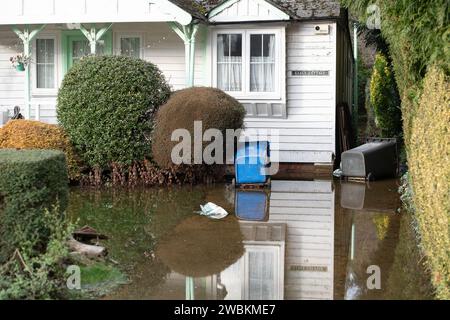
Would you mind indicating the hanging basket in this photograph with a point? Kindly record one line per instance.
(20, 67)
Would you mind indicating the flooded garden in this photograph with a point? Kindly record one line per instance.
(295, 240)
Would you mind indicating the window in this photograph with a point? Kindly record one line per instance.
(45, 64)
(248, 63)
(262, 62)
(130, 46)
(229, 62)
(82, 48)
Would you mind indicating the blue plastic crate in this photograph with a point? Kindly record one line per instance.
(251, 162)
(251, 205)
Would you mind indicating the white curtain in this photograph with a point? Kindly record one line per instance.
(262, 68)
(45, 63)
(229, 68)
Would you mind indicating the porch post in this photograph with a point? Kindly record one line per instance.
(93, 36)
(27, 36)
(188, 34)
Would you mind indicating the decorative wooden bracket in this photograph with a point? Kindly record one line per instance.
(94, 36)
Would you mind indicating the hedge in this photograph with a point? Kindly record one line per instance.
(384, 98)
(429, 165)
(31, 181)
(213, 107)
(106, 105)
(418, 34)
(25, 134)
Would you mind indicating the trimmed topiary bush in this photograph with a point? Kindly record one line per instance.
(106, 105)
(215, 108)
(385, 99)
(25, 134)
(31, 181)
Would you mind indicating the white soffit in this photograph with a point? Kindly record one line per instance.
(16, 12)
(246, 11)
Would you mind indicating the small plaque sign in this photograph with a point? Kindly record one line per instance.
(310, 73)
(309, 268)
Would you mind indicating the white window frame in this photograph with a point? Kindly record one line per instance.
(121, 35)
(45, 91)
(280, 59)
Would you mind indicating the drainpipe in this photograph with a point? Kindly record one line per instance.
(27, 36)
(355, 77)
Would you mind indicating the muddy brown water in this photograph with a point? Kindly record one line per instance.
(317, 240)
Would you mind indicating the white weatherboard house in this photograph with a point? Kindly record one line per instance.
(289, 62)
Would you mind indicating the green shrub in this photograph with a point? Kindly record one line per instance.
(25, 134)
(418, 34)
(429, 164)
(31, 181)
(107, 104)
(31, 275)
(213, 107)
(384, 98)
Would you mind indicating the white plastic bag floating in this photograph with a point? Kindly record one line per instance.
(213, 211)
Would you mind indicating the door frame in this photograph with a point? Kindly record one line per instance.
(68, 36)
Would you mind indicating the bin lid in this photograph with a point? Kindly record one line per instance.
(257, 149)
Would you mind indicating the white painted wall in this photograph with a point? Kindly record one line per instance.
(308, 133)
(161, 45)
(307, 208)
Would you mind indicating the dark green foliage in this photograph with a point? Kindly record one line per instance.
(39, 275)
(384, 99)
(31, 181)
(107, 104)
(213, 107)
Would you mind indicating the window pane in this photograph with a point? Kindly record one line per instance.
(256, 45)
(262, 63)
(229, 62)
(261, 276)
(130, 47)
(80, 48)
(45, 63)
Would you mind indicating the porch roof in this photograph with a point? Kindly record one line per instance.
(110, 11)
(27, 12)
(296, 9)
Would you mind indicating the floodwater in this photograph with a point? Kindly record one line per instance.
(298, 240)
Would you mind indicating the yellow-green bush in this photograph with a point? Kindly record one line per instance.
(25, 134)
(384, 98)
(429, 162)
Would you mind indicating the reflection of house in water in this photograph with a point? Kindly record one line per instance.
(290, 256)
(259, 273)
(307, 208)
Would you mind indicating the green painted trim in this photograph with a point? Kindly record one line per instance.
(27, 37)
(67, 36)
(187, 34)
